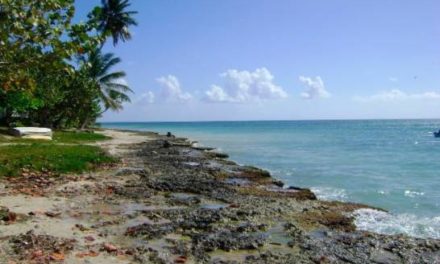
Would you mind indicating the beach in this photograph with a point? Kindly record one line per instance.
(220, 132)
(171, 201)
(391, 164)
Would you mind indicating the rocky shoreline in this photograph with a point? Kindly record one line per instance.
(172, 202)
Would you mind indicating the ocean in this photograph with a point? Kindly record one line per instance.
(391, 164)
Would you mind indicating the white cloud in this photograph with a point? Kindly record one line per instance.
(397, 95)
(245, 86)
(171, 90)
(314, 88)
(427, 95)
(217, 94)
(147, 97)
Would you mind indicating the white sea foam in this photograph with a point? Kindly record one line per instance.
(329, 193)
(413, 194)
(288, 173)
(386, 223)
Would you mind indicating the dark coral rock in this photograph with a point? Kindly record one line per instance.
(228, 240)
(150, 231)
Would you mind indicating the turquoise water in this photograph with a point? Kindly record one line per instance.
(392, 164)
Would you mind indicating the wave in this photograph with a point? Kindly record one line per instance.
(390, 224)
(330, 194)
(413, 194)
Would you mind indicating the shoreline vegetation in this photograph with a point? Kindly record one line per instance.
(53, 71)
(164, 200)
(66, 153)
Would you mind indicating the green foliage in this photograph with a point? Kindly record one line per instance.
(50, 157)
(109, 91)
(31, 38)
(48, 71)
(113, 20)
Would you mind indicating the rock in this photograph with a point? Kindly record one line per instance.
(253, 172)
(182, 144)
(227, 240)
(12, 217)
(304, 194)
(110, 248)
(30, 245)
(4, 213)
(37, 254)
(384, 257)
(89, 253)
(180, 259)
(128, 171)
(81, 227)
(32, 132)
(166, 144)
(278, 183)
(89, 238)
(220, 155)
(52, 214)
(150, 230)
(203, 148)
(188, 200)
(57, 256)
(294, 188)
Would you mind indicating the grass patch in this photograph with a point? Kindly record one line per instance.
(51, 157)
(76, 137)
(4, 137)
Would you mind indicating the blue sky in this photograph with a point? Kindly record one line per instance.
(286, 59)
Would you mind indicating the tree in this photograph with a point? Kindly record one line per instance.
(31, 37)
(110, 90)
(113, 20)
(33, 44)
(51, 70)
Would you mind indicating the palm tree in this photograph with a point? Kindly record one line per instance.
(111, 92)
(114, 20)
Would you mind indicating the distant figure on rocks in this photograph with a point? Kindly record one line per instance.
(437, 134)
(169, 134)
(166, 144)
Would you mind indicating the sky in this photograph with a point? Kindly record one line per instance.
(207, 60)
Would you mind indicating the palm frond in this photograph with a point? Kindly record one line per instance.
(112, 77)
(119, 87)
(109, 64)
(111, 92)
(115, 20)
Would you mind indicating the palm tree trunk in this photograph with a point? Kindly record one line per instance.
(8, 115)
(102, 40)
(102, 112)
(85, 122)
(2, 116)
